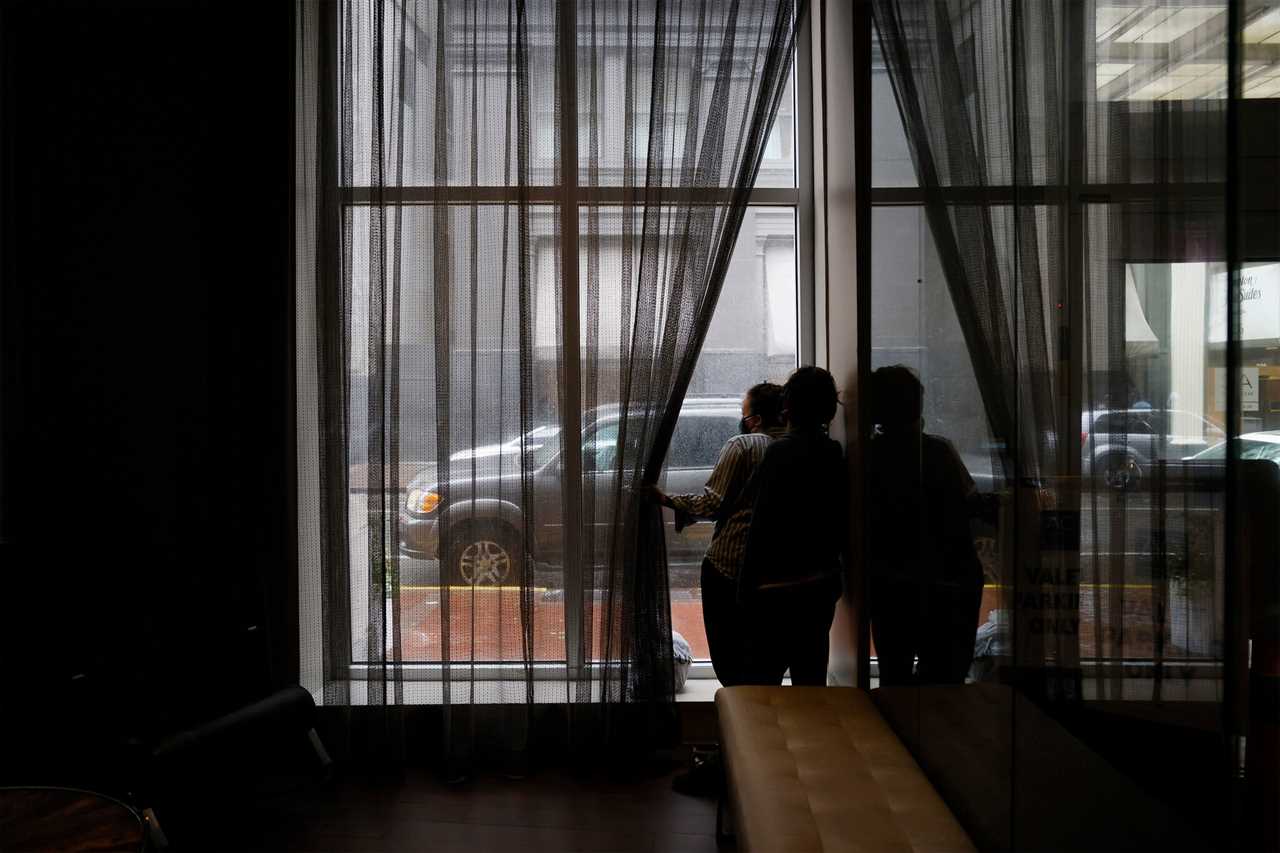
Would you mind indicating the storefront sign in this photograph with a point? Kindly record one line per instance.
(1248, 389)
(1259, 300)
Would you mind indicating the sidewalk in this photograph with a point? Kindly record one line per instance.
(485, 624)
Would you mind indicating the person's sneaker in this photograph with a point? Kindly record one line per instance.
(703, 778)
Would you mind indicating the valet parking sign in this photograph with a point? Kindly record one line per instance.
(1049, 597)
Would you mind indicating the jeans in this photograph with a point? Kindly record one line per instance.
(790, 628)
(722, 618)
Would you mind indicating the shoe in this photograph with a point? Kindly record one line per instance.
(703, 779)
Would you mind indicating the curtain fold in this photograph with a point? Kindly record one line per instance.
(515, 218)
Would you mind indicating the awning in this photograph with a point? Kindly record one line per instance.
(1139, 340)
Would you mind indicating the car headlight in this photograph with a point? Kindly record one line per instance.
(422, 501)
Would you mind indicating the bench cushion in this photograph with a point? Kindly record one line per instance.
(817, 768)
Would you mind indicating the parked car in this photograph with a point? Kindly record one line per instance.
(485, 515)
(1122, 444)
(1253, 445)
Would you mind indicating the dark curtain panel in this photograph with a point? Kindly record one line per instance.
(514, 222)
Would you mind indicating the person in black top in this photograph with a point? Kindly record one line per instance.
(791, 573)
(926, 578)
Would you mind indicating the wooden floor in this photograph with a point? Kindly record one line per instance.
(554, 810)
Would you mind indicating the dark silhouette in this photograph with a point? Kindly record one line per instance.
(926, 579)
(791, 573)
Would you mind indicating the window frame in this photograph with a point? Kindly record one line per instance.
(570, 197)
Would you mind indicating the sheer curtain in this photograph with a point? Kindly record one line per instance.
(514, 220)
(1071, 160)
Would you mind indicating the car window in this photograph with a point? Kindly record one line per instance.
(1248, 450)
(1257, 449)
(1123, 423)
(600, 450)
(697, 440)
(1218, 451)
(1102, 424)
(541, 443)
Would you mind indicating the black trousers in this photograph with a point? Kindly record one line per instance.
(722, 618)
(790, 628)
(935, 622)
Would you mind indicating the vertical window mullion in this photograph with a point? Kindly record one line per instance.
(577, 655)
(803, 209)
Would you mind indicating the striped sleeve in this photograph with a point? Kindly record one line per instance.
(731, 471)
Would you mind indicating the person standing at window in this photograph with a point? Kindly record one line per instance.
(926, 578)
(790, 579)
(726, 500)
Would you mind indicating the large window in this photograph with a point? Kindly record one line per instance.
(753, 337)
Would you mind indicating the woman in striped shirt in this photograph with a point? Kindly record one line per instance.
(727, 500)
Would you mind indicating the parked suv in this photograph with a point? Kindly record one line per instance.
(1122, 444)
(485, 515)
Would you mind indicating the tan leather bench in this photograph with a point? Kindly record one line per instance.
(817, 768)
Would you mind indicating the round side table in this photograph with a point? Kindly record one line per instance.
(70, 820)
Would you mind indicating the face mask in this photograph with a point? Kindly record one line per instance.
(743, 427)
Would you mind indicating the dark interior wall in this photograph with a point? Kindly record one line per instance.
(145, 492)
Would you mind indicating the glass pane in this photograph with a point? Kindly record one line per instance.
(450, 85)
(778, 164)
(891, 164)
(452, 561)
(616, 81)
(1151, 534)
(752, 339)
(914, 324)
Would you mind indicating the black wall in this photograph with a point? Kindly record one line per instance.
(145, 336)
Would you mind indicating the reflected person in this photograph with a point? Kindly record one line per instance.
(724, 500)
(791, 574)
(926, 578)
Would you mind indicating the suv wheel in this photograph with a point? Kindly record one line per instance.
(484, 556)
(1121, 473)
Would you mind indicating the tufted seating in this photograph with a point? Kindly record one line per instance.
(817, 768)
